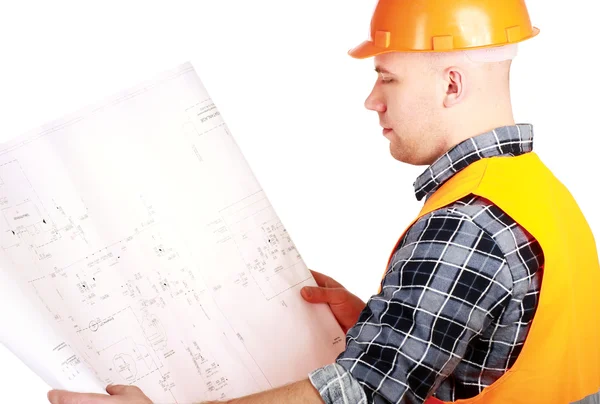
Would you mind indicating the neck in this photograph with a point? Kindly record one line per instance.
(480, 118)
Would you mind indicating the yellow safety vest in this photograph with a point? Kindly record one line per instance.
(560, 360)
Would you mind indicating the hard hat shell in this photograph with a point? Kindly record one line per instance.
(445, 25)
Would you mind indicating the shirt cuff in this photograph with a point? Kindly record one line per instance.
(337, 386)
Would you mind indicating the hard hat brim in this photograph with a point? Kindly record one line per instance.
(368, 49)
(365, 50)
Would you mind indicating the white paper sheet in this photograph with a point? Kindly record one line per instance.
(137, 228)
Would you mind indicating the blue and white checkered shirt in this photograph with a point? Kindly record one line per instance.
(456, 302)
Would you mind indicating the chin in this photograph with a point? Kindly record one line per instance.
(405, 158)
(397, 155)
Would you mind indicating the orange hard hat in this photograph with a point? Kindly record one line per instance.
(445, 25)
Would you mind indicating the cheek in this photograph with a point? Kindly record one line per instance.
(405, 112)
(398, 108)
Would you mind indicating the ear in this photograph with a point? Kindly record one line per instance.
(454, 86)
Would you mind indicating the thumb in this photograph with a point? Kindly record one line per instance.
(314, 294)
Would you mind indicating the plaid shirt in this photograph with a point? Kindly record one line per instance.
(456, 302)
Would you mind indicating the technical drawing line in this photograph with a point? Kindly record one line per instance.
(243, 199)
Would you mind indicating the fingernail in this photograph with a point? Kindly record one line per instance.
(307, 292)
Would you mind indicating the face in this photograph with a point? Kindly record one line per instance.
(408, 96)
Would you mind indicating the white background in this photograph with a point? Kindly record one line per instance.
(293, 99)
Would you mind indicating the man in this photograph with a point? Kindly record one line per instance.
(490, 294)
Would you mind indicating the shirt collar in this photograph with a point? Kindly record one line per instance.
(503, 141)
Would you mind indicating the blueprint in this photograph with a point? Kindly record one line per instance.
(139, 248)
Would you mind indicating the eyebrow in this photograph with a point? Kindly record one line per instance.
(380, 69)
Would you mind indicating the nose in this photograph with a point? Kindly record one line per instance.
(374, 101)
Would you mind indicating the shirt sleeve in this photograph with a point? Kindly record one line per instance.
(445, 284)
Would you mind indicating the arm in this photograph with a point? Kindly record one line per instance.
(301, 392)
(445, 284)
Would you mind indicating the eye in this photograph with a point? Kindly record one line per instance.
(385, 79)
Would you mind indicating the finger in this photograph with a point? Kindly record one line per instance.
(325, 281)
(325, 295)
(69, 397)
(123, 390)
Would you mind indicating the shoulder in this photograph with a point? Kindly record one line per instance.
(466, 218)
(476, 226)
(447, 254)
(465, 221)
(458, 235)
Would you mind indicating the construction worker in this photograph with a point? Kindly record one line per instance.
(490, 294)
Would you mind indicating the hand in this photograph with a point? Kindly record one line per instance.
(118, 395)
(345, 306)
